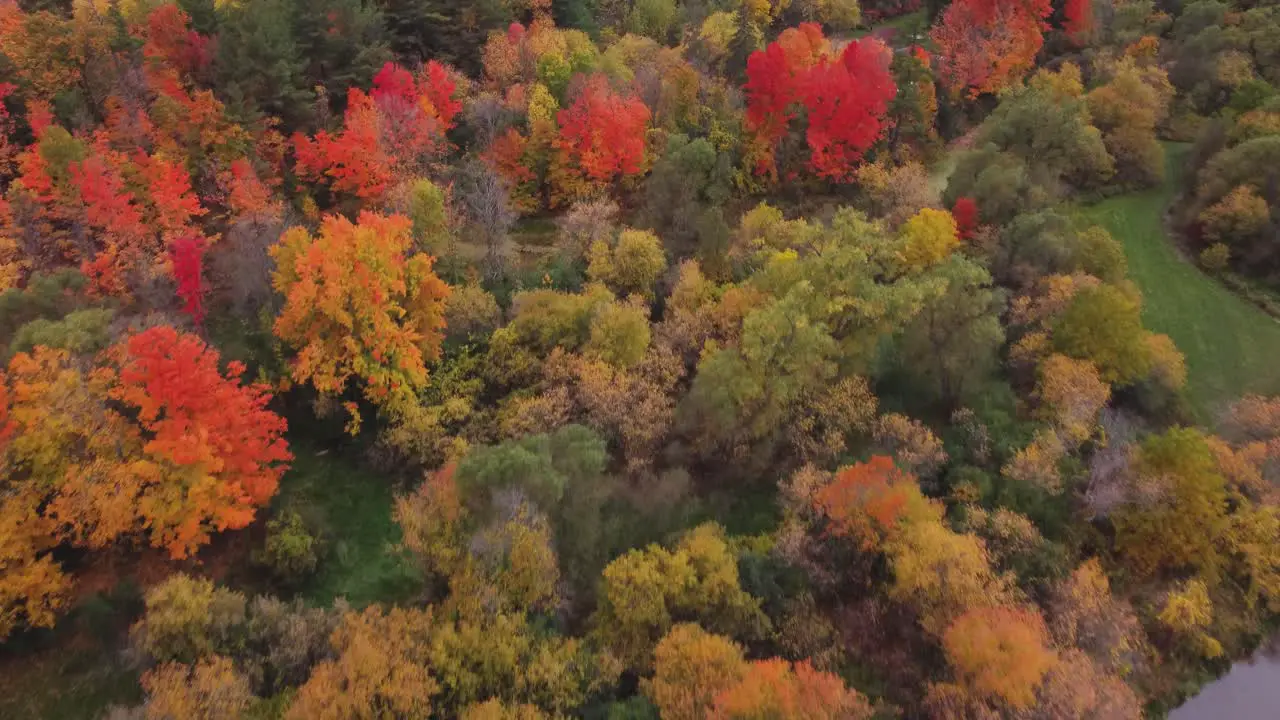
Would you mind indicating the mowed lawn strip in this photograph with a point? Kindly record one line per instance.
(1232, 347)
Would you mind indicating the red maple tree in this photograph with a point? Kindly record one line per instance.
(965, 212)
(187, 255)
(394, 129)
(602, 133)
(1078, 20)
(844, 99)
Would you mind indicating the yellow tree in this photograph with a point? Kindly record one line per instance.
(1178, 510)
(942, 574)
(358, 305)
(928, 238)
(692, 667)
(211, 690)
(1000, 654)
(645, 590)
(380, 669)
(631, 266)
(1188, 611)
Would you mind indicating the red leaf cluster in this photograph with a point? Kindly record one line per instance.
(845, 99)
(965, 212)
(603, 133)
(396, 128)
(199, 419)
(187, 256)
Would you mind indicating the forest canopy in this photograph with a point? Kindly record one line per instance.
(628, 359)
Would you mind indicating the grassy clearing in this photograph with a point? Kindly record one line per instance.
(352, 507)
(1231, 346)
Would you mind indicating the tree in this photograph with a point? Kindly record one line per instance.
(356, 305)
(1084, 614)
(1047, 124)
(847, 102)
(1127, 110)
(644, 591)
(260, 63)
(1188, 611)
(33, 588)
(866, 502)
(845, 99)
(211, 690)
(1103, 324)
(631, 266)
(341, 42)
(188, 620)
(986, 45)
(691, 668)
(619, 334)
(391, 134)
(380, 669)
(942, 574)
(777, 688)
(187, 256)
(955, 340)
(601, 140)
(226, 445)
(965, 212)
(1177, 506)
(1078, 20)
(1071, 396)
(928, 238)
(1000, 653)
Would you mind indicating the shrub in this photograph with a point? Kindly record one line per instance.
(1215, 258)
(291, 551)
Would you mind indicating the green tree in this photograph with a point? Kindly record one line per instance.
(260, 65)
(343, 45)
(954, 342)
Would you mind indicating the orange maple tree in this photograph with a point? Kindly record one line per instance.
(358, 305)
(865, 501)
(776, 688)
(154, 440)
(984, 45)
(218, 434)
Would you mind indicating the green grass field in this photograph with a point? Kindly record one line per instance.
(1232, 347)
(352, 506)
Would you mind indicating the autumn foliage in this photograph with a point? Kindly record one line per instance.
(1000, 654)
(985, 45)
(154, 441)
(777, 688)
(358, 305)
(389, 134)
(602, 135)
(187, 256)
(865, 501)
(844, 99)
(197, 418)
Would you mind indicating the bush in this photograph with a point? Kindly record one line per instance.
(188, 619)
(1215, 258)
(291, 551)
